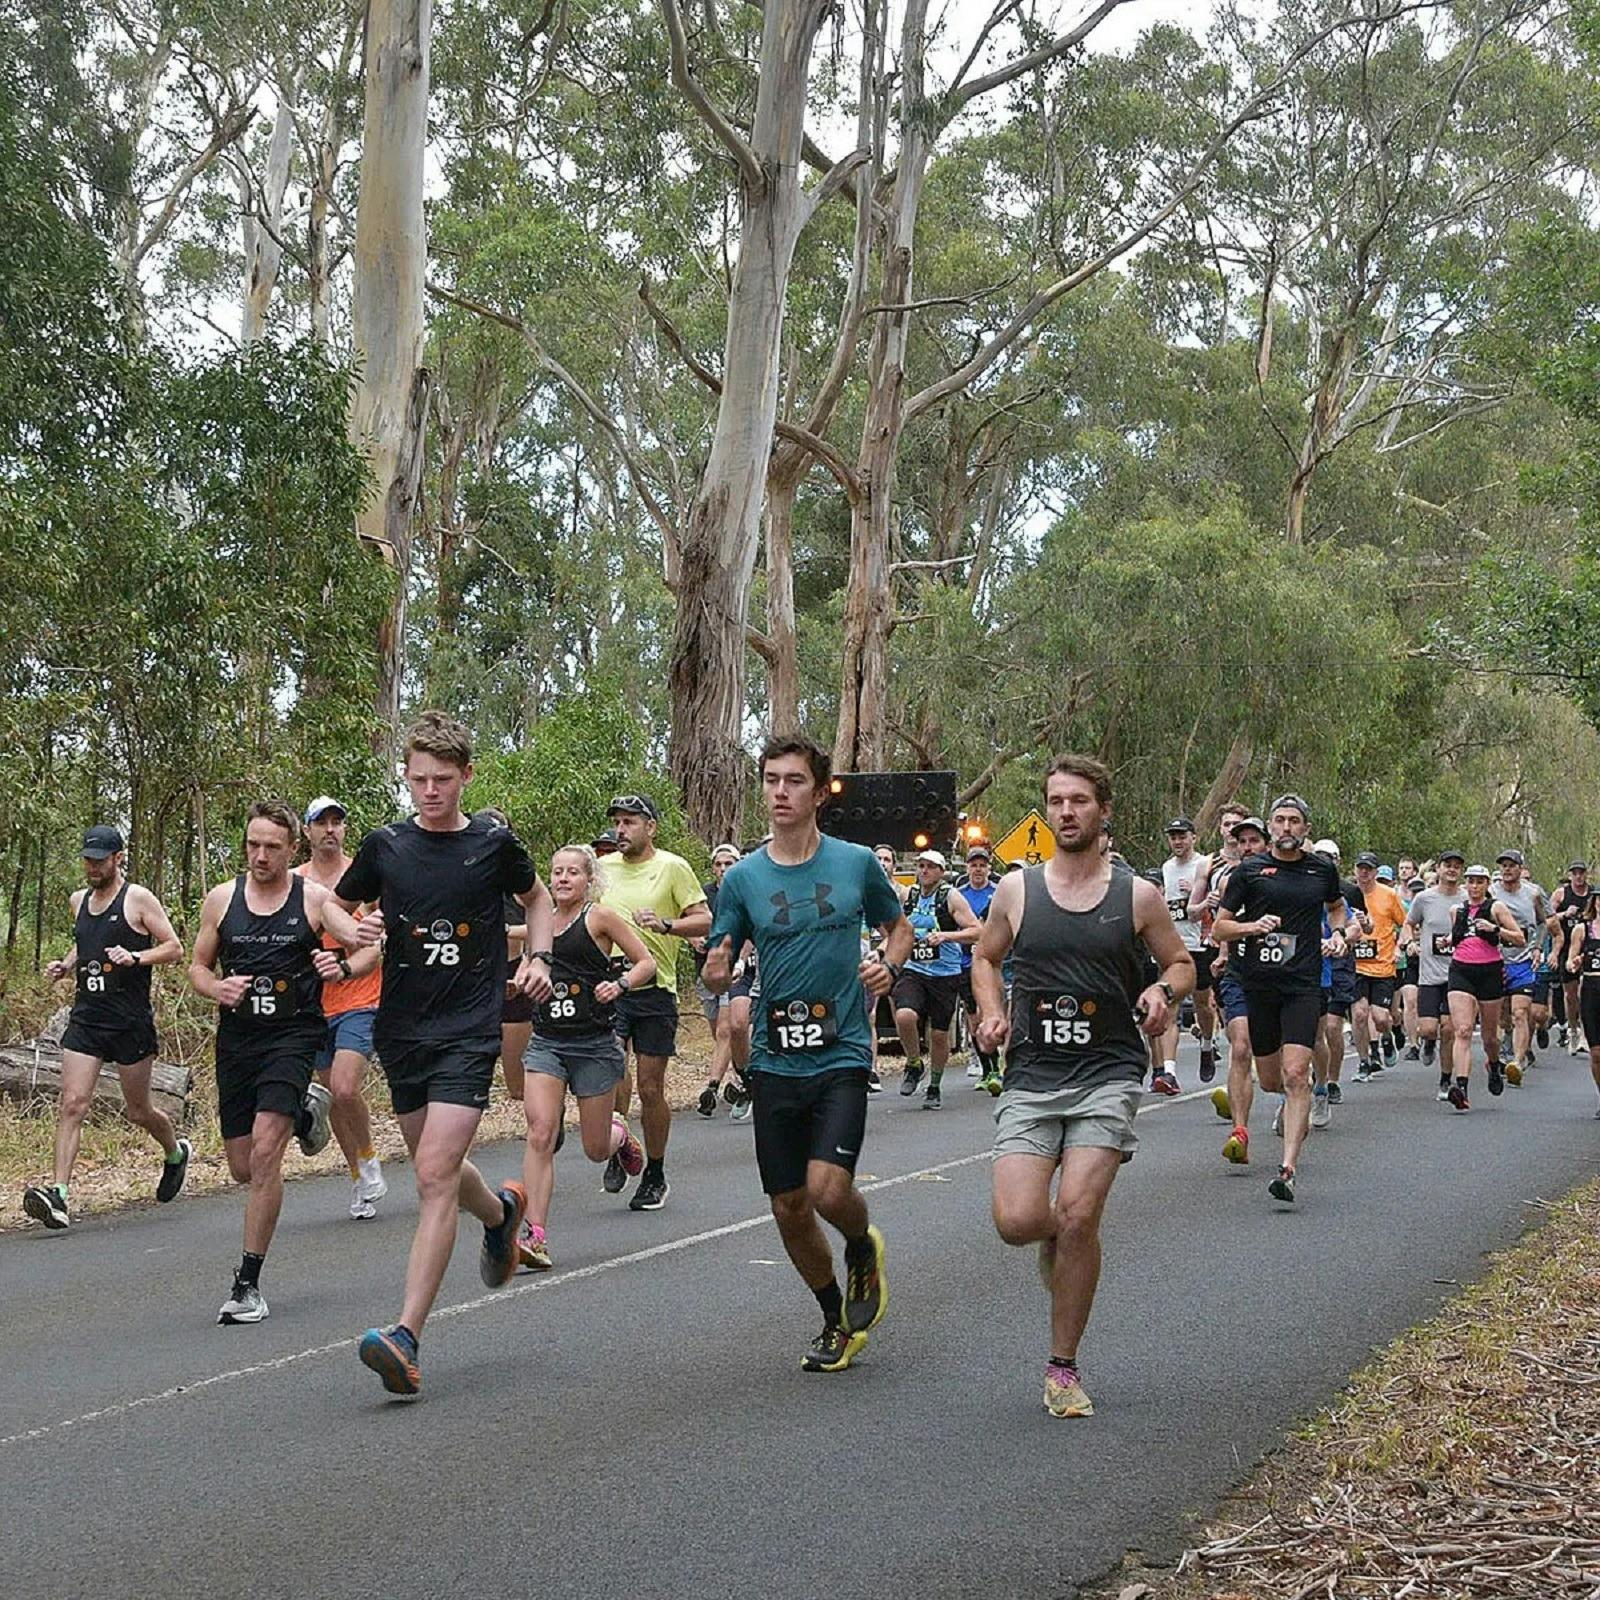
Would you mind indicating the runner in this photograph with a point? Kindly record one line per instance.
(1583, 960)
(574, 1043)
(1431, 920)
(263, 929)
(1077, 929)
(801, 899)
(1372, 1021)
(1480, 927)
(1339, 995)
(876, 1007)
(660, 892)
(350, 1003)
(714, 1007)
(120, 931)
(1527, 903)
(1248, 837)
(1180, 876)
(1273, 906)
(1569, 908)
(927, 991)
(438, 879)
(978, 892)
(1406, 973)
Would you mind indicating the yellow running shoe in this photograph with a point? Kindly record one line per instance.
(833, 1350)
(1236, 1147)
(1063, 1392)
(1222, 1104)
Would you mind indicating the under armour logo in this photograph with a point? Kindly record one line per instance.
(785, 905)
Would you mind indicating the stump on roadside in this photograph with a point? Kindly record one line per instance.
(29, 1071)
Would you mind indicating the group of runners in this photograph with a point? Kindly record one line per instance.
(438, 949)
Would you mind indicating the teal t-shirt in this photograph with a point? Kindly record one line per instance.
(805, 923)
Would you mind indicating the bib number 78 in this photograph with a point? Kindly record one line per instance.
(440, 955)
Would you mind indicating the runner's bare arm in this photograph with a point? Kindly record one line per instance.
(967, 926)
(147, 913)
(203, 977)
(56, 970)
(611, 924)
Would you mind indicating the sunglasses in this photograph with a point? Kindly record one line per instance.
(634, 804)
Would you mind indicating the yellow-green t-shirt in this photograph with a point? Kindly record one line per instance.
(666, 885)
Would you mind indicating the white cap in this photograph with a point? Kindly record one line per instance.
(324, 802)
(1325, 847)
(1476, 872)
(726, 850)
(933, 856)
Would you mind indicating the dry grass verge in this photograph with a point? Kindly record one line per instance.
(1465, 1462)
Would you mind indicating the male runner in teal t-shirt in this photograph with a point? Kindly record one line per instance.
(801, 899)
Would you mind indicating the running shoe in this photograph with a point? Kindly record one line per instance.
(1529, 1061)
(497, 1259)
(1335, 1095)
(1444, 1089)
(1578, 1046)
(1321, 1112)
(1561, 1036)
(361, 1208)
(374, 1186)
(1363, 1072)
(174, 1172)
(1514, 1073)
(735, 1089)
(1063, 1392)
(1236, 1147)
(392, 1354)
(993, 1082)
(706, 1105)
(874, 1082)
(1165, 1083)
(1457, 1096)
(1046, 1263)
(1282, 1187)
(931, 1098)
(1430, 1049)
(532, 1250)
(979, 1078)
(742, 1111)
(1541, 1037)
(614, 1180)
(1208, 1064)
(651, 1194)
(1277, 1120)
(1390, 1054)
(243, 1305)
(45, 1203)
(974, 1068)
(866, 1284)
(1375, 1068)
(832, 1350)
(316, 1108)
(912, 1077)
(1497, 1078)
(1413, 1053)
(1222, 1104)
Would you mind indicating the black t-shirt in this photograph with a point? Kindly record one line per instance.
(1290, 960)
(444, 959)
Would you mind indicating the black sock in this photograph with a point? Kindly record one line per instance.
(653, 1169)
(859, 1246)
(832, 1303)
(1064, 1361)
(1461, 1082)
(250, 1269)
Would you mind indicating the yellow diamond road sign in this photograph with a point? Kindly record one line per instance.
(1029, 843)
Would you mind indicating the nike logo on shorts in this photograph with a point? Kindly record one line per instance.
(839, 1150)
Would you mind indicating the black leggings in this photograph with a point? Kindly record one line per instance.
(1589, 1009)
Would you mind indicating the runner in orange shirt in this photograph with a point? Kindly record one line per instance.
(1372, 1020)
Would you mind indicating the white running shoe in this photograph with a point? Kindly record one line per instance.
(318, 1106)
(243, 1305)
(973, 1069)
(361, 1208)
(1277, 1120)
(1321, 1111)
(374, 1186)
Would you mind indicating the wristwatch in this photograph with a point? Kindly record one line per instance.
(1167, 989)
(545, 956)
(344, 965)
(895, 969)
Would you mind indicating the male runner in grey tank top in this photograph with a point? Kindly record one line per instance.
(1074, 1058)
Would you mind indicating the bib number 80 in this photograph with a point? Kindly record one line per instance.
(1059, 1031)
(440, 955)
(1271, 954)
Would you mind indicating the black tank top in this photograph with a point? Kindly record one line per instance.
(109, 996)
(1076, 978)
(577, 967)
(1589, 965)
(275, 950)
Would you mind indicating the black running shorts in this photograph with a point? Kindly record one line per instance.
(648, 1020)
(1203, 957)
(1432, 1002)
(439, 1072)
(1589, 1009)
(123, 1047)
(932, 998)
(820, 1117)
(1483, 980)
(1277, 1019)
(270, 1076)
(1377, 992)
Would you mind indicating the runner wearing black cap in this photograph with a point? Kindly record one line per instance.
(120, 932)
(660, 892)
(439, 879)
(1526, 902)
(1569, 908)
(263, 930)
(1273, 907)
(1181, 874)
(1430, 923)
(1373, 947)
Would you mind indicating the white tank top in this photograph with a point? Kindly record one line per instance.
(1177, 883)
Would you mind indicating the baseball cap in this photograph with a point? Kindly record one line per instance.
(1249, 822)
(1385, 874)
(1180, 825)
(933, 856)
(1417, 883)
(1476, 872)
(1323, 847)
(978, 852)
(1292, 799)
(323, 804)
(1513, 856)
(1577, 866)
(101, 841)
(633, 805)
(605, 842)
(1451, 855)
(1368, 859)
(725, 850)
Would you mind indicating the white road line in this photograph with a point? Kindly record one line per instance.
(534, 1285)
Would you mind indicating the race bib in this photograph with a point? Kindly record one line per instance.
(269, 1001)
(1179, 907)
(570, 1006)
(923, 951)
(1443, 944)
(443, 944)
(1591, 963)
(1063, 1021)
(795, 1027)
(96, 977)
(1273, 949)
(1365, 949)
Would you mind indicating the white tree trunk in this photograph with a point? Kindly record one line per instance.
(390, 406)
(263, 221)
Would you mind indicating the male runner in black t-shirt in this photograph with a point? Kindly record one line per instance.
(1273, 907)
(439, 879)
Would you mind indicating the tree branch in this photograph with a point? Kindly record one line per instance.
(709, 112)
(833, 182)
(961, 94)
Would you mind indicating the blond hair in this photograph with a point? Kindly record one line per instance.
(592, 869)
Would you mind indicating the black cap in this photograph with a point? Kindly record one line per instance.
(1417, 883)
(101, 841)
(633, 805)
(1180, 825)
(605, 841)
(1513, 856)
(1577, 866)
(1249, 822)
(1367, 859)
(977, 850)
(1452, 855)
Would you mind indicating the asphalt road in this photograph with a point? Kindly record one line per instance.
(636, 1422)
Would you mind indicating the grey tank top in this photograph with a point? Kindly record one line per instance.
(1076, 978)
